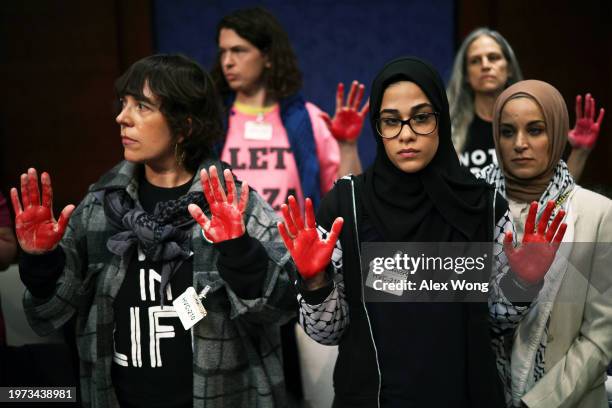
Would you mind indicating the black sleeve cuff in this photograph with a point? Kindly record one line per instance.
(243, 263)
(39, 273)
(518, 294)
(316, 296)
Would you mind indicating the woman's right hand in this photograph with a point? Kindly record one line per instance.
(310, 253)
(36, 228)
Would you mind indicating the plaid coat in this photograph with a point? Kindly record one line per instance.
(236, 348)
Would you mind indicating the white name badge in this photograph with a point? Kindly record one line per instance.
(189, 307)
(257, 130)
(390, 280)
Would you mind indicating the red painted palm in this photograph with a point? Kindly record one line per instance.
(586, 130)
(531, 260)
(35, 226)
(309, 251)
(227, 213)
(347, 122)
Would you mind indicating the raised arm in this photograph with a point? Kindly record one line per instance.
(324, 313)
(253, 267)
(346, 126)
(583, 136)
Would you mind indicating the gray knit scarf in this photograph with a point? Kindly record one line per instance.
(162, 236)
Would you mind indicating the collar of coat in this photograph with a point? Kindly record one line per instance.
(123, 175)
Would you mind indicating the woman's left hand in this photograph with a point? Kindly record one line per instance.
(531, 260)
(347, 122)
(227, 220)
(586, 130)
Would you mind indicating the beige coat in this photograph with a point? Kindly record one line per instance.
(580, 331)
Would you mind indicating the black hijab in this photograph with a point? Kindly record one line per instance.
(440, 203)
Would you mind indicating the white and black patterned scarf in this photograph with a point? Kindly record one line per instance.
(558, 189)
(559, 186)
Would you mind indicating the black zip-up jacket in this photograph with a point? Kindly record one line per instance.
(357, 376)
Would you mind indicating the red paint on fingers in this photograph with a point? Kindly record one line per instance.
(226, 214)
(531, 260)
(311, 254)
(585, 133)
(347, 122)
(36, 229)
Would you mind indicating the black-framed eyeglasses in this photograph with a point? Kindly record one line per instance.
(422, 123)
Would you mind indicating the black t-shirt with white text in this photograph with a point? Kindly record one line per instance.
(153, 357)
(479, 149)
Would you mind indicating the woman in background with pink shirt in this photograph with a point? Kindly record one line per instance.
(278, 142)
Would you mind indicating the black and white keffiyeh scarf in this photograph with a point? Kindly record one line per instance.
(558, 190)
(561, 184)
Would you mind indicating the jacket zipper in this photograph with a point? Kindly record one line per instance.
(365, 309)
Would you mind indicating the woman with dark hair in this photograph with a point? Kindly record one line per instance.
(278, 142)
(399, 354)
(484, 66)
(554, 351)
(192, 113)
(130, 260)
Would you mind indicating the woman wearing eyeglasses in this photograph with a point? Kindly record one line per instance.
(398, 354)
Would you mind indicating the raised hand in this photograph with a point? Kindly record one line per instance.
(531, 260)
(348, 120)
(227, 213)
(310, 253)
(36, 228)
(586, 130)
